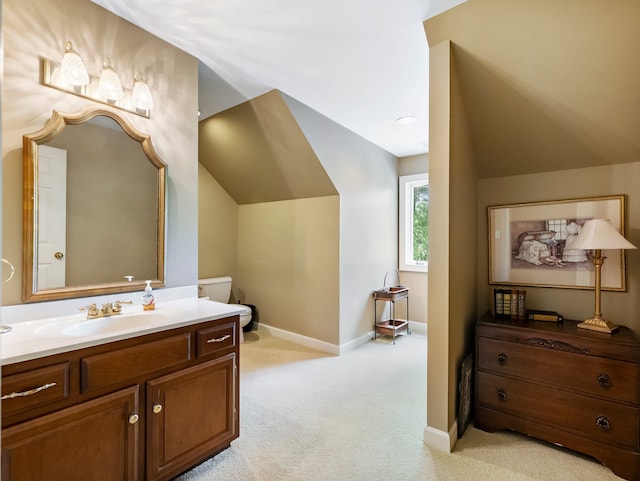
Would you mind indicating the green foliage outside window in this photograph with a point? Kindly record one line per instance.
(421, 223)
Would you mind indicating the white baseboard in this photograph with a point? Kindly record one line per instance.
(351, 345)
(300, 339)
(336, 350)
(434, 438)
(418, 327)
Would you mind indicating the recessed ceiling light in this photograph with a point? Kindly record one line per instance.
(406, 120)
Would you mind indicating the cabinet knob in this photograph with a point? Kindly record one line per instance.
(603, 423)
(157, 408)
(133, 418)
(502, 395)
(502, 359)
(604, 380)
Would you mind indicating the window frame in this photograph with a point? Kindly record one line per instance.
(406, 185)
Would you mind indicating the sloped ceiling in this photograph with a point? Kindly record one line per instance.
(547, 85)
(258, 153)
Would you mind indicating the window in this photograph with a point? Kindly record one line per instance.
(414, 222)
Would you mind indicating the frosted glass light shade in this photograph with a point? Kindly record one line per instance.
(109, 85)
(72, 68)
(141, 94)
(599, 234)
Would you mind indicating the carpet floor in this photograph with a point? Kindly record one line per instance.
(309, 416)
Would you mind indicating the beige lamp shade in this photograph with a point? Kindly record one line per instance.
(599, 234)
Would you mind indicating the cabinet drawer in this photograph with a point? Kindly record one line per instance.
(35, 388)
(609, 378)
(601, 420)
(122, 365)
(216, 339)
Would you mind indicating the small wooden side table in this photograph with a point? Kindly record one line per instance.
(390, 327)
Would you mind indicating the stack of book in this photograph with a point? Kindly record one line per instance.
(509, 303)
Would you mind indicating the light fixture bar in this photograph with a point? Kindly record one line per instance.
(50, 78)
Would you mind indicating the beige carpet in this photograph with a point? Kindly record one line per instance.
(308, 416)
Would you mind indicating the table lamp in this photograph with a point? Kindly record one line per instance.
(596, 235)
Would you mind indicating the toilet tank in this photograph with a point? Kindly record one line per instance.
(215, 288)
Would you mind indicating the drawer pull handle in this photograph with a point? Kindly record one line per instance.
(604, 380)
(603, 423)
(219, 339)
(502, 359)
(30, 392)
(133, 418)
(502, 395)
(157, 408)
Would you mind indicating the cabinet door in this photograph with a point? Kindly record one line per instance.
(97, 439)
(191, 415)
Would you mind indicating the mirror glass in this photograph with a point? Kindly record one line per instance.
(93, 208)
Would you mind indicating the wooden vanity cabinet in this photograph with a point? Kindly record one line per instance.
(144, 408)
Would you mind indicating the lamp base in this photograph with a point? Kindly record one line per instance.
(597, 323)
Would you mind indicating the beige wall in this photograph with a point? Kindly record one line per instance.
(453, 262)
(438, 358)
(289, 264)
(217, 229)
(366, 179)
(620, 307)
(309, 264)
(462, 256)
(523, 103)
(415, 281)
(39, 28)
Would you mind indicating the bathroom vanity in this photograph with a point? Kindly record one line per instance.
(146, 405)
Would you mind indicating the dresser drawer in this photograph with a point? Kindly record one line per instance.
(608, 378)
(35, 388)
(122, 365)
(601, 420)
(217, 339)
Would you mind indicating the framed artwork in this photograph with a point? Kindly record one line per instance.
(527, 244)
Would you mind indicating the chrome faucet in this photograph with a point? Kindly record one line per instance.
(107, 309)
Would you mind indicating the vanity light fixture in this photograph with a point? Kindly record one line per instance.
(71, 76)
(72, 69)
(596, 235)
(141, 94)
(109, 85)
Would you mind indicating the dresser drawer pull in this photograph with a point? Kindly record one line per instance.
(30, 392)
(603, 423)
(502, 395)
(502, 359)
(219, 339)
(604, 380)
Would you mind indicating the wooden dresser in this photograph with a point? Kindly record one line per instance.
(553, 381)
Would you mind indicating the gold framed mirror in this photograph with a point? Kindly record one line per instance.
(93, 208)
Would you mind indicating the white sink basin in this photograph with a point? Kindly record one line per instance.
(103, 325)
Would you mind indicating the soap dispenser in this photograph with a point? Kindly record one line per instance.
(148, 301)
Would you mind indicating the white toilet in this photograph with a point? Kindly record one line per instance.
(219, 289)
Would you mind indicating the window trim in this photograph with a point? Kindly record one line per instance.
(405, 221)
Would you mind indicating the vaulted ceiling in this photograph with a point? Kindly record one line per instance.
(547, 85)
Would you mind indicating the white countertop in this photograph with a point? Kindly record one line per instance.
(33, 339)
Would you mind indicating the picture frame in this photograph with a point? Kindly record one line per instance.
(527, 244)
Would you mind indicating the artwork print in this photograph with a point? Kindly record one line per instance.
(528, 244)
(543, 245)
